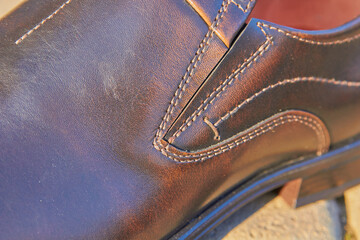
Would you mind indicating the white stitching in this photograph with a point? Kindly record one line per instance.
(294, 36)
(262, 129)
(213, 128)
(217, 92)
(190, 70)
(202, 108)
(157, 144)
(282, 83)
(311, 123)
(238, 5)
(41, 23)
(241, 8)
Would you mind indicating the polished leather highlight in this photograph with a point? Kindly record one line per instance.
(232, 13)
(317, 66)
(88, 97)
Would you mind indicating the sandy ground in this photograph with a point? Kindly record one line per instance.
(328, 220)
(7, 5)
(331, 219)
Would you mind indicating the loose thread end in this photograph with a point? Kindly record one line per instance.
(213, 128)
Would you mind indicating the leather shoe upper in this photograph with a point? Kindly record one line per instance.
(125, 119)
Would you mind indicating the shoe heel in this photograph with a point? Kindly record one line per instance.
(330, 179)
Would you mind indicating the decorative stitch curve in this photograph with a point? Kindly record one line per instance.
(307, 121)
(240, 69)
(282, 83)
(222, 87)
(294, 36)
(261, 25)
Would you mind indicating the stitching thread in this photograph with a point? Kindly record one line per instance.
(307, 121)
(241, 8)
(189, 71)
(247, 63)
(213, 128)
(261, 25)
(42, 22)
(282, 83)
(294, 36)
(222, 87)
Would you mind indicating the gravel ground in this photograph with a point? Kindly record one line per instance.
(277, 220)
(333, 219)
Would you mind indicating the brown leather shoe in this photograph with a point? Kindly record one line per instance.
(156, 119)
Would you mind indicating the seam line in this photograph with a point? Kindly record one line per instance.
(41, 23)
(203, 106)
(189, 72)
(223, 86)
(282, 83)
(301, 39)
(307, 121)
(241, 7)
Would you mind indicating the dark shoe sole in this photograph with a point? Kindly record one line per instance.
(322, 177)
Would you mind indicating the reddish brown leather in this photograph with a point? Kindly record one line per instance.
(86, 95)
(307, 14)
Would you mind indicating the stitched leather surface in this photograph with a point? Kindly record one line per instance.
(271, 124)
(207, 52)
(82, 103)
(84, 85)
(301, 81)
(236, 13)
